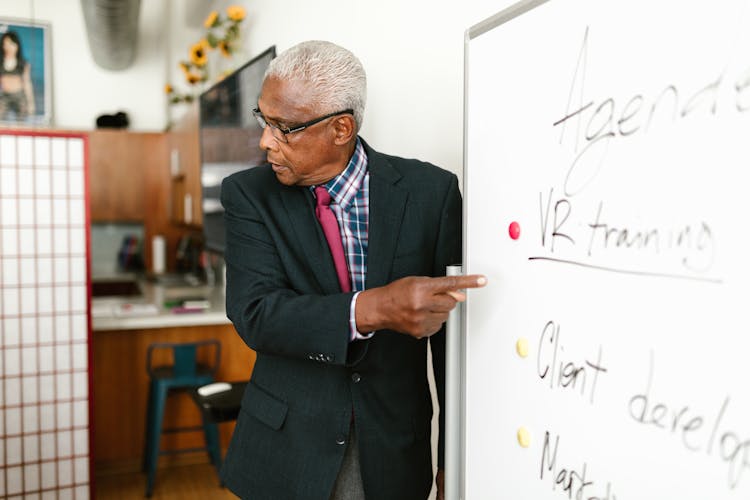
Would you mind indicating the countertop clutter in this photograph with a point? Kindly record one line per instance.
(158, 305)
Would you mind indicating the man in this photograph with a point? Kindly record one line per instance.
(339, 405)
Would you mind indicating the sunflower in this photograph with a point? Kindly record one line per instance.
(193, 78)
(198, 54)
(222, 33)
(225, 49)
(211, 20)
(236, 13)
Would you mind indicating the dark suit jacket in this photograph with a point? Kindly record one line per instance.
(284, 299)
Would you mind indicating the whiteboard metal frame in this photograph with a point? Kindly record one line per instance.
(454, 403)
(493, 22)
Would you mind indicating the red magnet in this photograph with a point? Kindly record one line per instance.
(514, 230)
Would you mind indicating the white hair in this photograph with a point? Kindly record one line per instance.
(334, 75)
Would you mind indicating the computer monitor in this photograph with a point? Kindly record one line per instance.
(229, 137)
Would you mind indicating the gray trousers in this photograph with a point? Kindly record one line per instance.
(349, 481)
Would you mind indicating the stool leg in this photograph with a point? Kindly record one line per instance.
(152, 454)
(211, 432)
(147, 431)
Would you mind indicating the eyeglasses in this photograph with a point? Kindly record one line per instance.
(280, 132)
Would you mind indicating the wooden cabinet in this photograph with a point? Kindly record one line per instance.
(119, 162)
(185, 166)
(145, 177)
(129, 181)
(120, 385)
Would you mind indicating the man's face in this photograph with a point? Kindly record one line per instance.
(308, 157)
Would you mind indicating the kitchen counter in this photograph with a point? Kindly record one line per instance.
(121, 382)
(154, 309)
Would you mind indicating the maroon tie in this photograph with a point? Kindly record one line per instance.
(331, 229)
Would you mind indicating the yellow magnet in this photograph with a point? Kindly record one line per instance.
(522, 347)
(524, 437)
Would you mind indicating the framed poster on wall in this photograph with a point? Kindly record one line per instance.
(25, 76)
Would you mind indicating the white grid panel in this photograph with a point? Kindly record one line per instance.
(45, 449)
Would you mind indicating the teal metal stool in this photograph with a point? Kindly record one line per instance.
(183, 374)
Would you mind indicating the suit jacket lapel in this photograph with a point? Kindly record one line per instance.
(311, 241)
(387, 204)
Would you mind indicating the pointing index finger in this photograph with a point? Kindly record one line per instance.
(450, 283)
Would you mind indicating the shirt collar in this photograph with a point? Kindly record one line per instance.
(344, 187)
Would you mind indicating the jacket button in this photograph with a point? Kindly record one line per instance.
(356, 377)
(340, 439)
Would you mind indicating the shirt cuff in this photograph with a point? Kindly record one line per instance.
(353, 333)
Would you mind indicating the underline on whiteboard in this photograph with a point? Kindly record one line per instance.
(630, 271)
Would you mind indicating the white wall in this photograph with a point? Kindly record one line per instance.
(81, 90)
(412, 51)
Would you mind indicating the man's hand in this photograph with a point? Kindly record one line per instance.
(416, 306)
(440, 483)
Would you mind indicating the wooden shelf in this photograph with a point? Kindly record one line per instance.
(184, 145)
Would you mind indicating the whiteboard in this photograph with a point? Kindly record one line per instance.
(616, 135)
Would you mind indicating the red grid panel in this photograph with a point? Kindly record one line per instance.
(45, 324)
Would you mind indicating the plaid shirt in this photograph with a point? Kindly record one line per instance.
(350, 203)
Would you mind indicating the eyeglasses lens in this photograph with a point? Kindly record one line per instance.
(275, 131)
